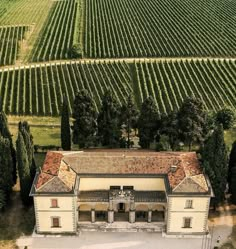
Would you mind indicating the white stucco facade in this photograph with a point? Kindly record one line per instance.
(66, 212)
(74, 189)
(177, 212)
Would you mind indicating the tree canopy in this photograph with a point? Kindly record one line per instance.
(215, 162)
(226, 117)
(148, 122)
(84, 124)
(6, 171)
(129, 117)
(191, 120)
(24, 129)
(65, 126)
(109, 123)
(23, 170)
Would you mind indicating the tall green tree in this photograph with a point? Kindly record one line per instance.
(226, 116)
(24, 129)
(84, 125)
(215, 162)
(129, 117)
(232, 184)
(232, 168)
(65, 126)
(23, 170)
(3, 202)
(191, 121)
(5, 132)
(148, 123)
(6, 169)
(169, 127)
(109, 123)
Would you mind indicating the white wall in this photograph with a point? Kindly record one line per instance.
(138, 183)
(66, 211)
(177, 212)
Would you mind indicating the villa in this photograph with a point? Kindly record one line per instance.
(164, 191)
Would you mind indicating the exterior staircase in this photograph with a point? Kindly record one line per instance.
(119, 226)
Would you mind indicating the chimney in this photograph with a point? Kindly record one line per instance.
(173, 168)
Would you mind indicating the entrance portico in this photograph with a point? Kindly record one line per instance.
(121, 206)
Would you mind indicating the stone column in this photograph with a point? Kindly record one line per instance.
(93, 215)
(110, 216)
(149, 216)
(131, 216)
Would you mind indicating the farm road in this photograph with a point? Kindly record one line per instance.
(108, 60)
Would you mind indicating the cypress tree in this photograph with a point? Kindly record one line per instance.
(169, 128)
(84, 125)
(226, 117)
(24, 129)
(65, 126)
(6, 169)
(129, 117)
(23, 170)
(2, 200)
(109, 125)
(232, 171)
(148, 122)
(191, 121)
(215, 162)
(5, 132)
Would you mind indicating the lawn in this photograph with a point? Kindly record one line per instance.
(45, 130)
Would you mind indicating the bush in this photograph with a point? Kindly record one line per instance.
(75, 51)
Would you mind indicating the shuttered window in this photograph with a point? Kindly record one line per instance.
(55, 222)
(54, 203)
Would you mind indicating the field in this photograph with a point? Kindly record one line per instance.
(213, 81)
(38, 90)
(56, 38)
(163, 28)
(11, 38)
(25, 13)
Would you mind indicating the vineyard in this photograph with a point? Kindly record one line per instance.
(28, 13)
(163, 28)
(56, 38)
(38, 90)
(10, 40)
(212, 81)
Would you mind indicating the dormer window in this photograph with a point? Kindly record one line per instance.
(54, 203)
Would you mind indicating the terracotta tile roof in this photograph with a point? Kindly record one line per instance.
(177, 165)
(56, 175)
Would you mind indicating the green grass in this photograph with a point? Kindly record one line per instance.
(45, 130)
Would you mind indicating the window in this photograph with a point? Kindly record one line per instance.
(189, 204)
(55, 222)
(114, 187)
(54, 203)
(128, 187)
(187, 223)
